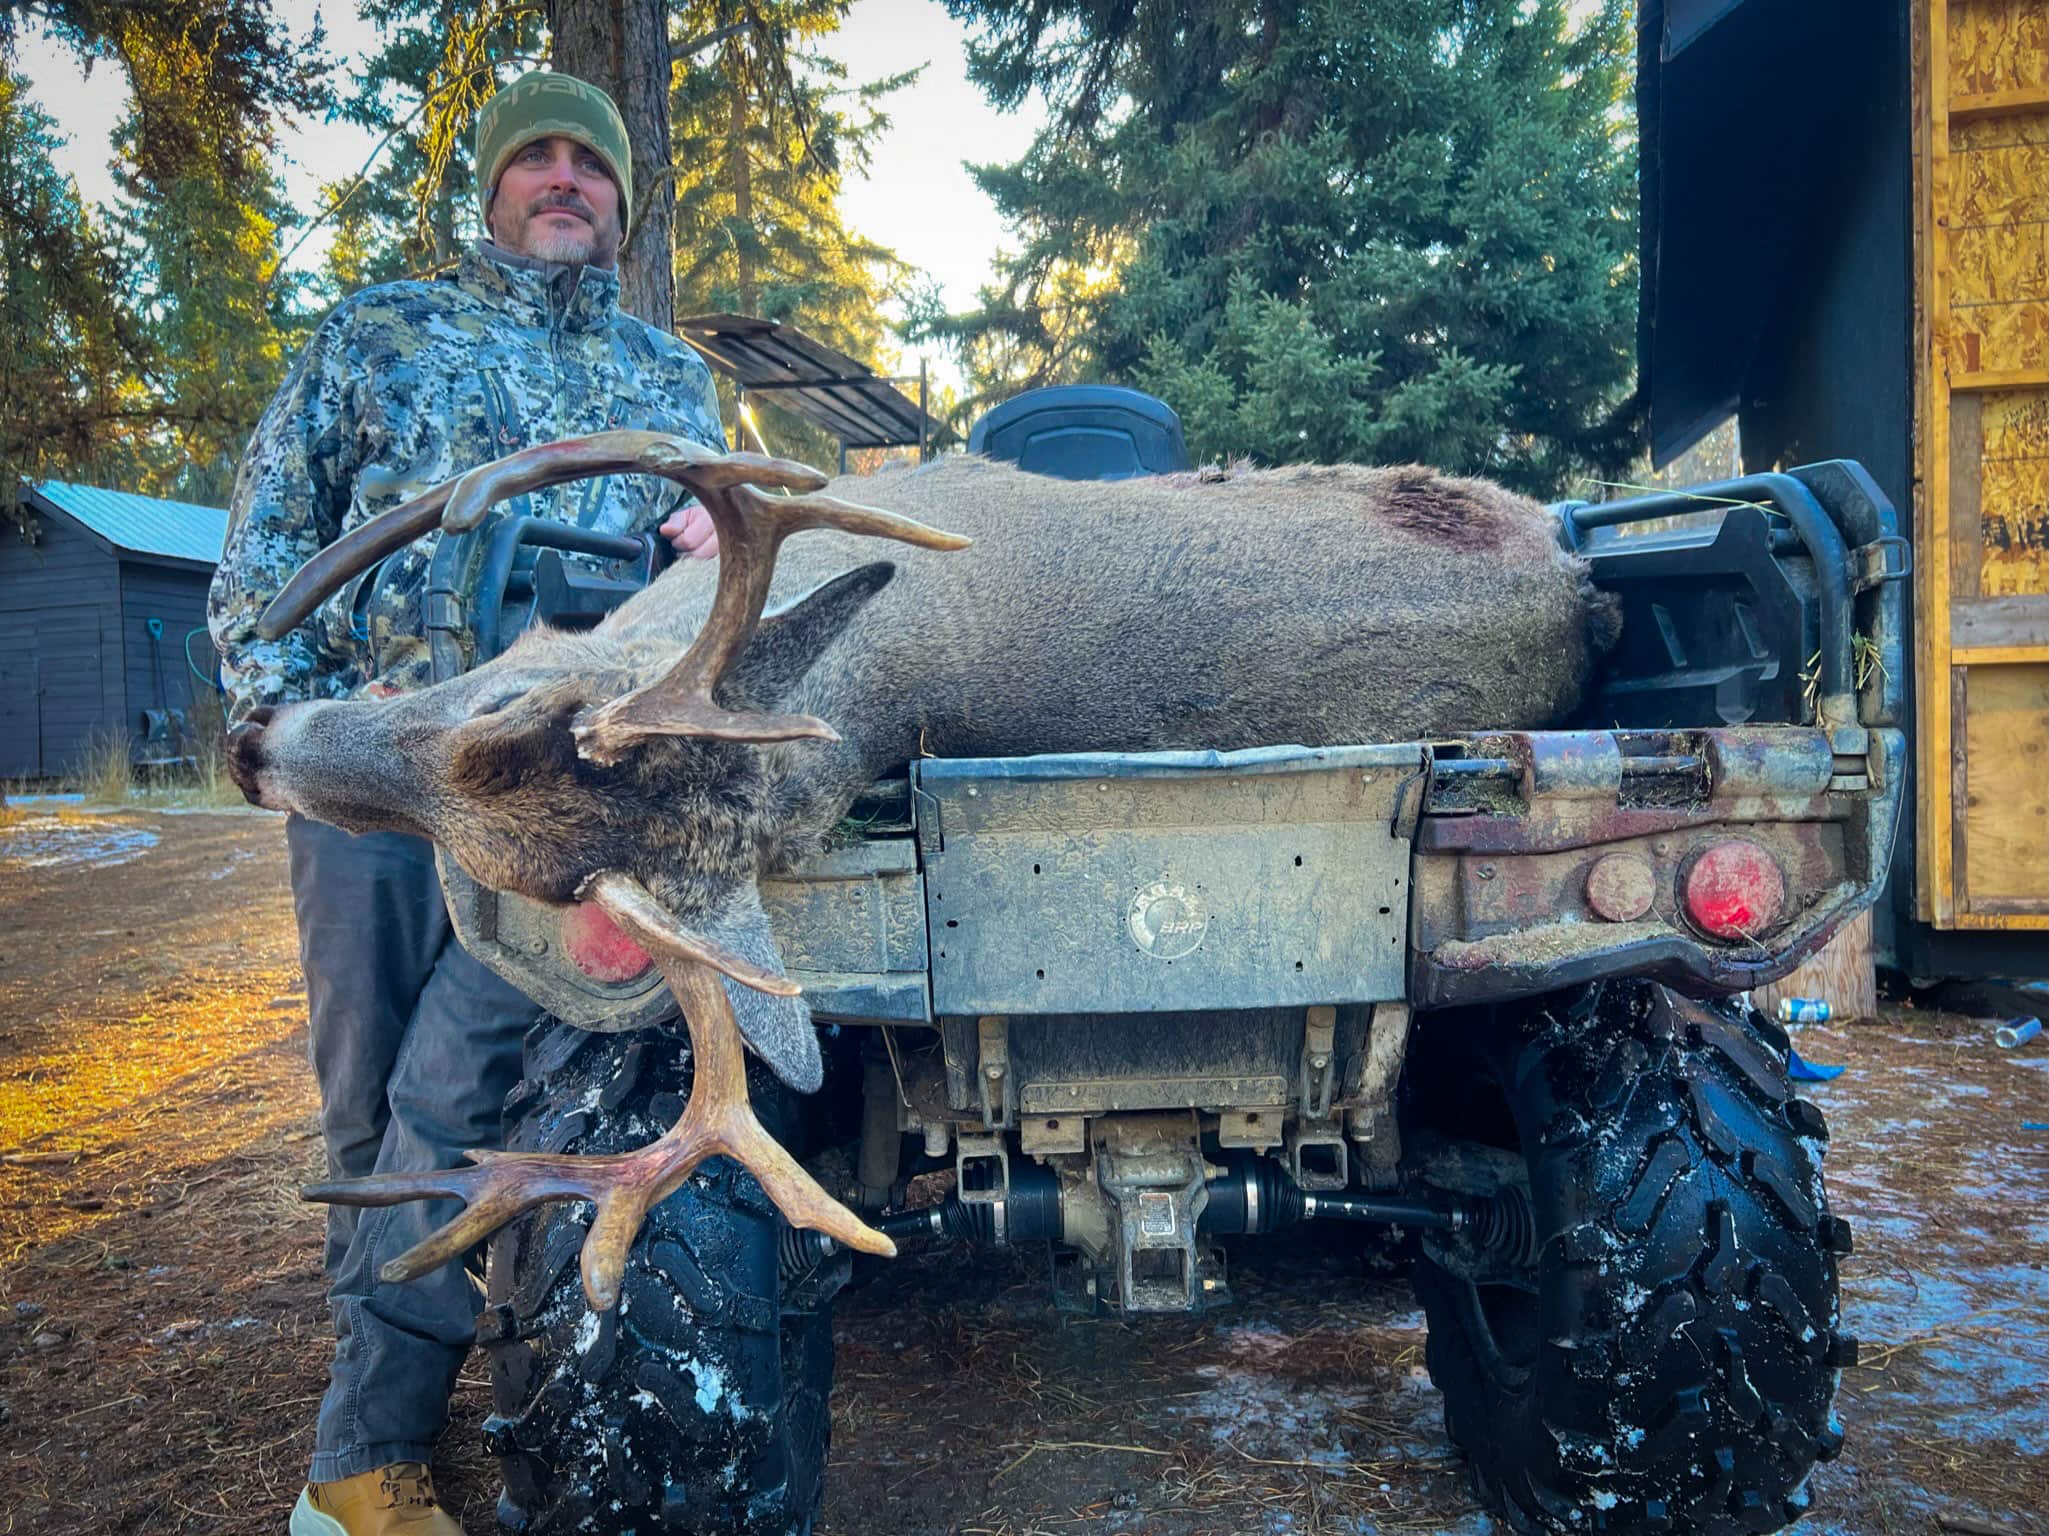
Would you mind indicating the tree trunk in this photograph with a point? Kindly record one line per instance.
(743, 194)
(622, 46)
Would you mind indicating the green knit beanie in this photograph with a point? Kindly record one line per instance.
(539, 105)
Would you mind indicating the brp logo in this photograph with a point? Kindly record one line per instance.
(1166, 920)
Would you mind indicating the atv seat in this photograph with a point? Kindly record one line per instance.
(1083, 432)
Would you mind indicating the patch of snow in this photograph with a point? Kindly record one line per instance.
(44, 842)
(1982, 1366)
(239, 856)
(709, 1383)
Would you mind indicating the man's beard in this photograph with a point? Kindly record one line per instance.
(570, 247)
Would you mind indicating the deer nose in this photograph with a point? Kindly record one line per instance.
(245, 753)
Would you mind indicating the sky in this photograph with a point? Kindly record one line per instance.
(917, 199)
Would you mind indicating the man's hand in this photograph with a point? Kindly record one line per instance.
(690, 529)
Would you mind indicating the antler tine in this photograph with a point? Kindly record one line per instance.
(751, 529)
(645, 920)
(719, 1121)
(461, 503)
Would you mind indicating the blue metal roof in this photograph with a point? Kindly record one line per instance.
(175, 530)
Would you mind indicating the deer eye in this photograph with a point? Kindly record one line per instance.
(492, 706)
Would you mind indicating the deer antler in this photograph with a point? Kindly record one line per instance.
(460, 504)
(718, 1121)
(751, 529)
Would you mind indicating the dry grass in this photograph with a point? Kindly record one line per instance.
(207, 781)
(211, 784)
(105, 771)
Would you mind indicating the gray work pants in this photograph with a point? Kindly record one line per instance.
(415, 1046)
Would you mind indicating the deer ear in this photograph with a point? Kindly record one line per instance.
(787, 644)
(778, 1029)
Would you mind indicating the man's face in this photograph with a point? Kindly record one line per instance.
(555, 202)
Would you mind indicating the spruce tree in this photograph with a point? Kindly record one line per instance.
(766, 130)
(68, 346)
(1322, 230)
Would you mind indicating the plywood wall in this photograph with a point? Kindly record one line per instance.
(1982, 523)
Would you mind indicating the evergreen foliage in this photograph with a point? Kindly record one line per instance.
(66, 344)
(765, 131)
(141, 341)
(1321, 230)
(220, 321)
(441, 60)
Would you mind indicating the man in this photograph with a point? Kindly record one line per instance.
(415, 1044)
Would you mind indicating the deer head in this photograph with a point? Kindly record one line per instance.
(606, 769)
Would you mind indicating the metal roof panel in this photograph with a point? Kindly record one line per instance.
(143, 525)
(801, 374)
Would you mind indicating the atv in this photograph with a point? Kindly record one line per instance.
(1490, 990)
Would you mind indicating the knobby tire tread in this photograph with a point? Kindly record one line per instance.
(698, 1404)
(1686, 1331)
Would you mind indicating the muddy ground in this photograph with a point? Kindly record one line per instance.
(162, 1334)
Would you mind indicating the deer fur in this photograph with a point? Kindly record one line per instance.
(1309, 605)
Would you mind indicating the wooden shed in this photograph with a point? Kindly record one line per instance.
(102, 619)
(1846, 245)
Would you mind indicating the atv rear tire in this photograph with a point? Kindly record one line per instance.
(698, 1404)
(1669, 1360)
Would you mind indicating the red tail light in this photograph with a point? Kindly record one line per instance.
(597, 947)
(1733, 890)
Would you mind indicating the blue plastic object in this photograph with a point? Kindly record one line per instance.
(1083, 432)
(1803, 1071)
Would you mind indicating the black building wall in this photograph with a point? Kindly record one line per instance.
(61, 660)
(1833, 373)
(158, 674)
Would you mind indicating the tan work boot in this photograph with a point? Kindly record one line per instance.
(397, 1500)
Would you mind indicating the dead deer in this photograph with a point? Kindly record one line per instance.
(656, 766)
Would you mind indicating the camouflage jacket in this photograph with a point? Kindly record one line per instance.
(401, 387)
